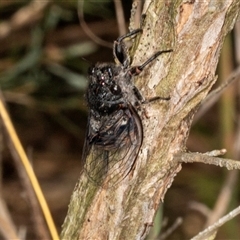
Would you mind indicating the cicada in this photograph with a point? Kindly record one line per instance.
(114, 132)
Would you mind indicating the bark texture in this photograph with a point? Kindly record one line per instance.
(195, 30)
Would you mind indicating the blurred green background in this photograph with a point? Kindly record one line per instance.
(44, 58)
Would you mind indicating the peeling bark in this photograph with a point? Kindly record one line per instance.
(195, 30)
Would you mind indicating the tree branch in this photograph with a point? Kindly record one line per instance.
(195, 30)
(204, 158)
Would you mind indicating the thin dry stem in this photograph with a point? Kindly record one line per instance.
(200, 207)
(120, 17)
(211, 230)
(214, 96)
(223, 198)
(87, 30)
(170, 230)
(227, 110)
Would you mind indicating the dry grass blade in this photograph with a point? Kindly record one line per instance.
(22, 155)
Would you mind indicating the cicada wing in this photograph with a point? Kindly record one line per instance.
(86, 146)
(96, 165)
(114, 152)
(122, 159)
(95, 159)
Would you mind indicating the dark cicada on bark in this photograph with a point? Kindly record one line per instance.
(115, 133)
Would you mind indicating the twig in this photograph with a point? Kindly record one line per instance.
(213, 97)
(211, 230)
(223, 198)
(226, 192)
(207, 159)
(228, 186)
(87, 30)
(215, 153)
(201, 208)
(170, 230)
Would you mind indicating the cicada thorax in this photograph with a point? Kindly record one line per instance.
(104, 94)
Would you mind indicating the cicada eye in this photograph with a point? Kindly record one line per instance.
(115, 89)
(107, 71)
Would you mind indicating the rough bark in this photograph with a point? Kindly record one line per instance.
(195, 30)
